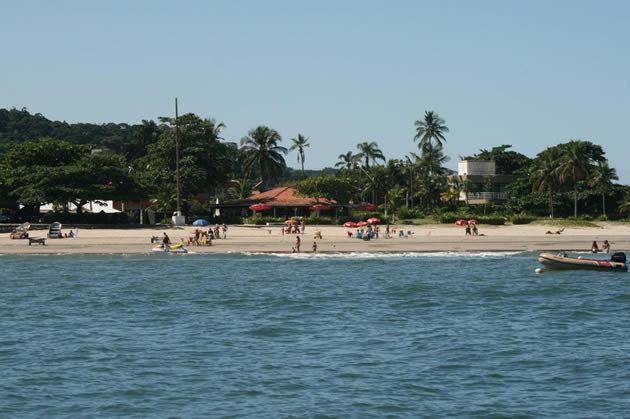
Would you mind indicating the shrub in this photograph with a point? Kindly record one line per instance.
(258, 220)
(522, 219)
(313, 219)
(451, 217)
(496, 220)
(409, 213)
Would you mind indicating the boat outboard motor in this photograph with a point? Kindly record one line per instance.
(618, 257)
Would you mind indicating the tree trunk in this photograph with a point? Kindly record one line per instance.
(575, 200)
(302, 161)
(603, 204)
(550, 202)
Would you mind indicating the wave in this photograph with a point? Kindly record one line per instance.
(384, 255)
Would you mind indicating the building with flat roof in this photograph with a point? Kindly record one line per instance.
(481, 183)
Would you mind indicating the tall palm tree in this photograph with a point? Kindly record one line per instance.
(430, 132)
(545, 174)
(575, 163)
(260, 150)
(347, 161)
(369, 151)
(299, 144)
(601, 179)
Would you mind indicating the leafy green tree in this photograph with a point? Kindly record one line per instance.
(261, 152)
(508, 162)
(601, 179)
(205, 163)
(370, 152)
(299, 144)
(328, 187)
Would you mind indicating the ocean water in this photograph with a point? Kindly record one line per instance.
(360, 335)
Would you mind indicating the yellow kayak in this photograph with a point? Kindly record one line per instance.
(173, 248)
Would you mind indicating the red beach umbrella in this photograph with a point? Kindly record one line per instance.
(362, 223)
(373, 220)
(350, 224)
(472, 221)
(366, 207)
(260, 207)
(461, 222)
(320, 207)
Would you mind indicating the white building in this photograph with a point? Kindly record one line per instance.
(482, 184)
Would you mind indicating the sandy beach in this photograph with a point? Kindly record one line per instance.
(425, 238)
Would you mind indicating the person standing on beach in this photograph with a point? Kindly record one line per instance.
(475, 232)
(314, 247)
(166, 241)
(224, 230)
(467, 230)
(297, 244)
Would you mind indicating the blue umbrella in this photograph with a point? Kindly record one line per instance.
(201, 222)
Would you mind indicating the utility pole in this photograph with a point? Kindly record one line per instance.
(178, 218)
(179, 190)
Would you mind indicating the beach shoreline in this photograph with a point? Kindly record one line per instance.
(263, 239)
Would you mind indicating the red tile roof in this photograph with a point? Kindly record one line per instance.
(284, 196)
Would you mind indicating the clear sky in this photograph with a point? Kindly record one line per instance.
(527, 73)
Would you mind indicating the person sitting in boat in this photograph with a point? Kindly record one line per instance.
(594, 247)
(606, 246)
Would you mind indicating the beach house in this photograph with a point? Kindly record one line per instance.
(283, 201)
(478, 182)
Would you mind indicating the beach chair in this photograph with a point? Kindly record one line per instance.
(20, 232)
(54, 231)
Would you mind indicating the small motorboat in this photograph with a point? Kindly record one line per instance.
(616, 263)
(173, 248)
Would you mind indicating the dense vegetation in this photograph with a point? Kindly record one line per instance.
(45, 161)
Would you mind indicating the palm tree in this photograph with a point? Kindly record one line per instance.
(430, 132)
(299, 144)
(601, 179)
(261, 151)
(624, 204)
(347, 161)
(575, 163)
(545, 174)
(370, 152)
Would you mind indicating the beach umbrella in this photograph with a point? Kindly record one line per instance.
(366, 207)
(201, 222)
(260, 207)
(362, 223)
(350, 224)
(373, 220)
(472, 221)
(461, 222)
(320, 207)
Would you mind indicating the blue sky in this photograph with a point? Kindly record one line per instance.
(530, 74)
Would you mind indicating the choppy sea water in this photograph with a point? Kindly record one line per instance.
(293, 335)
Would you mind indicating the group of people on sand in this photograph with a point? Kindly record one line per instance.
(471, 230)
(201, 237)
(605, 247)
(296, 227)
(298, 243)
